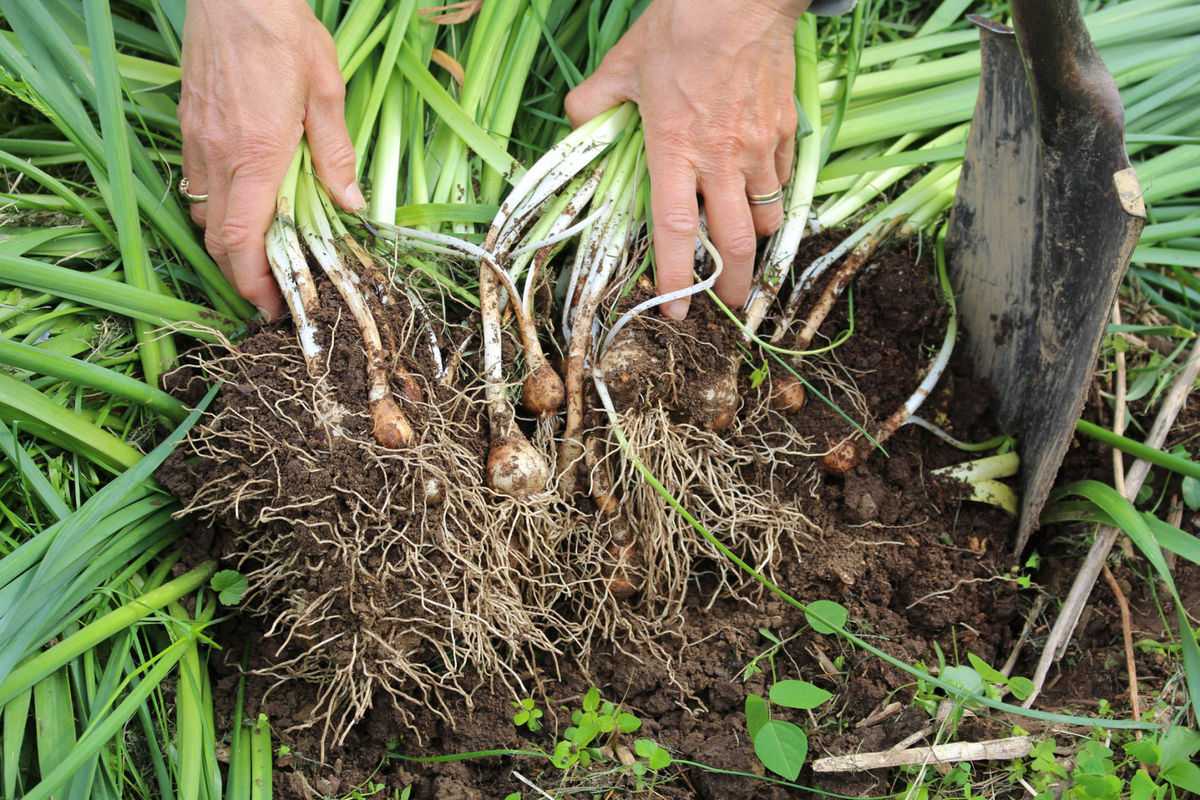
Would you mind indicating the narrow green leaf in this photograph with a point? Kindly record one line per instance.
(54, 715)
(32, 475)
(16, 721)
(1183, 466)
(448, 110)
(932, 155)
(129, 301)
(121, 195)
(103, 729)
(50, 421)
(945, 15)
(429, 214)
(84, 373)
(44, 663)
(1167, 256)
(260, 760)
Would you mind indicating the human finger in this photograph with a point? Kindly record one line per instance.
(732, 228)
(676, 216)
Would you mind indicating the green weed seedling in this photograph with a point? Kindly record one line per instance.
(1172, 758)
(230, 585)
(753, 667)
(1153, 768)
(782, 746)
(595, 721)
(527, 714)
(975, 676)
(594, 734)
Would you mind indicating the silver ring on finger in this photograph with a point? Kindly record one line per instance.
(765, 199)
(184, 186)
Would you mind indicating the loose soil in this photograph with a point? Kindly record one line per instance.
(917, 566)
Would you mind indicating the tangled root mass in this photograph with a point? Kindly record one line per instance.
(394, 575)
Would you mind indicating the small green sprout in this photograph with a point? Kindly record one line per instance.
(527, 714)
(782, 746)
(595, 724)
(230, 585)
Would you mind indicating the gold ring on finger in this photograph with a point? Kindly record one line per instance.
(766, 199)
(184, 186)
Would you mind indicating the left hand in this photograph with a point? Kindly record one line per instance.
(715, 87)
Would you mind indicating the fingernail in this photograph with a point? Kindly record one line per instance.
(677, 309)
(354, 197)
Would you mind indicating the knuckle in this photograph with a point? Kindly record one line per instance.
(252, 153)
(673, 139)
(211, 139)
(235, 234)
(758, 139)
(574, 104)
(198, 214)
(678, 221)
(788, 121)
(329, 89)
(214, 243)
(741, 246)
(339, 154)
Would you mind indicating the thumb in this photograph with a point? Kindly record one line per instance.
(605, 89)
(332, 153)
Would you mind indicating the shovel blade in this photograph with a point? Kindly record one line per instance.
(1046, 216)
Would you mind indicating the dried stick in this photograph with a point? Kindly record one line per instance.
(1127, 635)
(1089, 571)
(1030, 621)
(995, 750)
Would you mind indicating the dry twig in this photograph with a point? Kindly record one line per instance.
(1127, 635)
(994, 750)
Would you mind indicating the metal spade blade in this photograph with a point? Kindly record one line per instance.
(1046, 217)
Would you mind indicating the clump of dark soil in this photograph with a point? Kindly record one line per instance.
(914, 564)
(686, 367)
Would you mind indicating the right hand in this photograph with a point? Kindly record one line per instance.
(257, 75)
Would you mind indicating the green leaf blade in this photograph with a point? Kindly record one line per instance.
(782, 747)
